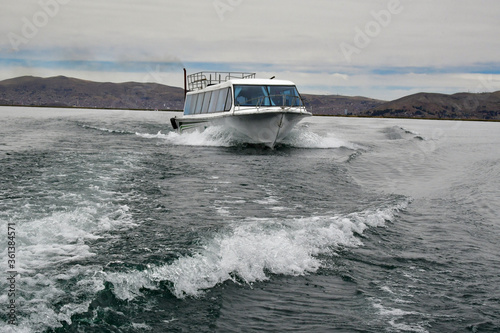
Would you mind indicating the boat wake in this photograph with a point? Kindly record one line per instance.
(211, 137)
(218, 136)
(302, 137)
(255, 250)
(105, 129)
(399, 133)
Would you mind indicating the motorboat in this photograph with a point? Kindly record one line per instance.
(262, 111)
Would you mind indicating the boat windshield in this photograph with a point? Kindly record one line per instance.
(252, 95)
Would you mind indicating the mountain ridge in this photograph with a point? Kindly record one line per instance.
(62, 91)
(466, 106)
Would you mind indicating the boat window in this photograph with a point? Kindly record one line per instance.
(251, 95)
(210, 101)
(187, 104)
(199, 102)
(213, 101)
(222, 100)
(229, 100)
(206, 101)
(284, 96)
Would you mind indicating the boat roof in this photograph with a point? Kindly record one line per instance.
(256, 82)
(207, 81)
(261, 82)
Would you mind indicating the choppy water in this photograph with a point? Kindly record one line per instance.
(352, 225)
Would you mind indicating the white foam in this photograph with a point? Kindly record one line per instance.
(223, 211)
(141, 327)
(127, 285)
(267, 201)
(304, 138)
(108, 130)
(217, 136)
(279, 208)
(60, 236)
(387, 289)
(395, 316)
(251, 250)
(402, 327)
(415, 133)
(213, 136)
(37, 293)
(43, 244)
(391, 311)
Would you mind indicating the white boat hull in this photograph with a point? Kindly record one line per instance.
(264, 127)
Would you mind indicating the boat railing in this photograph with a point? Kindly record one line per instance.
(278, 100)
(202, 80)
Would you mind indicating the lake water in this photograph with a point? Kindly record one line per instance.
(352, 225)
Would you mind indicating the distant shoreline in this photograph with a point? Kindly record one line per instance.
(413, 118)
(85, 108)
(315, 115)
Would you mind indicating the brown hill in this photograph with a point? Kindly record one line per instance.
(339, 105)
(483, 106)
(69, 92)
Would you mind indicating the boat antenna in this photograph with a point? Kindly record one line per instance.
(185, 85)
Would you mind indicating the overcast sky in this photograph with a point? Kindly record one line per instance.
(382, 49)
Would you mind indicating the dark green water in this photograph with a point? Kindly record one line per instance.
(352, 225)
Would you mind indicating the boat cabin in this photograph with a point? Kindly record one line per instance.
(222, 92)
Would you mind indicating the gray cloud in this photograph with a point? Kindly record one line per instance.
(328, 45)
